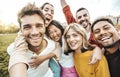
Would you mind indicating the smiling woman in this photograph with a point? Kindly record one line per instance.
(76, 42)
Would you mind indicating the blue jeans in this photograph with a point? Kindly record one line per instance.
(55, 67)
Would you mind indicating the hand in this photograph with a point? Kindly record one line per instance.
(96, 55)
(35, 61)
(20, 41)
(57, 51)
(20, 44)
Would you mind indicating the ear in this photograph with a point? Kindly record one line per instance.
(20, 30)
(46, 25)
(83, 43)
(117, 29)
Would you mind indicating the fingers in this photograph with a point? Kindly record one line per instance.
(32, 65)
(32, 62)
(94, 58)
(93, 61)
(34, 56)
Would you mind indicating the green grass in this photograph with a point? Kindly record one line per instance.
(5, 41)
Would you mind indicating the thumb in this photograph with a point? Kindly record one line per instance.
(34, 56)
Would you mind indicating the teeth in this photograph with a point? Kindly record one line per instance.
(47, 19)
(34, 38)
(105, 38)
(84, 24)
(56, 38)
(72, 44)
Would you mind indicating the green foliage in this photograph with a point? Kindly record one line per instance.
(5, 40)
(11, 28)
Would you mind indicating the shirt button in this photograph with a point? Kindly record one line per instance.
(91, 73)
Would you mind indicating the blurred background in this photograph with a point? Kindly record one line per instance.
(9, 26)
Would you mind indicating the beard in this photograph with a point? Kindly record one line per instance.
(84, 23)
(112, 45)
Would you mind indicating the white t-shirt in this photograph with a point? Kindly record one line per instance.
(43, 69)
(88, 35)
(66, 60)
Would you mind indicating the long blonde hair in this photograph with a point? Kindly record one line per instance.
(80, 30)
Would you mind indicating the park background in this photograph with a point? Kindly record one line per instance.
(7, 36)
(9, 26)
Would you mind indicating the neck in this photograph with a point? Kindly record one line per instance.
(38, 49)
(78, 50)
(113, 49)
(60, 41)
(88, 29)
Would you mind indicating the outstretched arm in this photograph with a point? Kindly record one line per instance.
(96, 55)
(67, 12)
(63, 3)
(18, 61)
(18, 70)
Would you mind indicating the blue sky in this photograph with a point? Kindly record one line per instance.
(9, 8)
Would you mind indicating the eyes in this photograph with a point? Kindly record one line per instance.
(29, 26)
(26, 27)
(106, 27)
(51, 32)
(47, 10)
(73, 35)
(84, 15)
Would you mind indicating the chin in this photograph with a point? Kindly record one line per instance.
(35, 44)
(111, 44)
(73, 48)
(57, 40)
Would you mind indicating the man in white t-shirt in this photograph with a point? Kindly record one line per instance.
(31, 42)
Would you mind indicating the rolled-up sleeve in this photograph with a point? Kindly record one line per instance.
(18, 51)
(57, 51)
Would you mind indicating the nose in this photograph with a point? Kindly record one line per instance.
(71, 38)
(83, 18)
(49, 13)
(54, 34)
(102, 32)
(34, 31)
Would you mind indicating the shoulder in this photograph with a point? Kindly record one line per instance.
(67, 7)
(10, 48)
(85, 54)
(88, 52)
(50, 43)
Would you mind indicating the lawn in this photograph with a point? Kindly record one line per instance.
(5, 41)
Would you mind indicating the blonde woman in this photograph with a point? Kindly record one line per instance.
(76, 43)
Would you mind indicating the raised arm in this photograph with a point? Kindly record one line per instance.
(67, 12)
(63, 3)
(18, 61)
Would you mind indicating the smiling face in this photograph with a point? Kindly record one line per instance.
(105, 33)
(74, 39)
(32, 27)
(83, 18)
(48, 11)
(54, 33)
